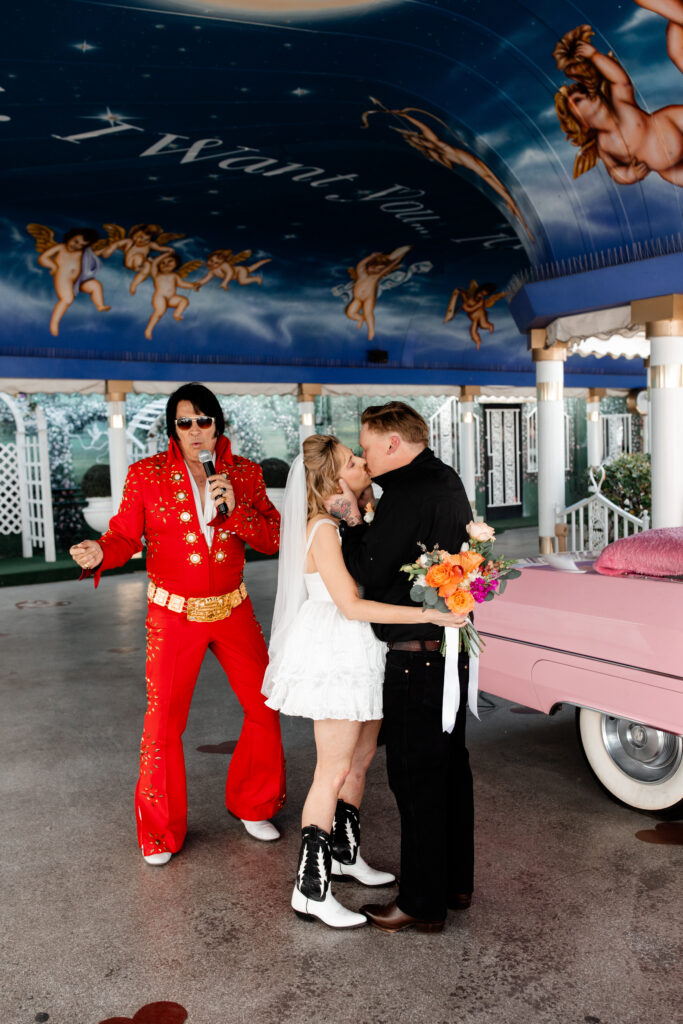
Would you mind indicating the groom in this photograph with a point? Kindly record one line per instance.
(423, 501)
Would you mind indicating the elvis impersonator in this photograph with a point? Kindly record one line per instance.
(196, 599)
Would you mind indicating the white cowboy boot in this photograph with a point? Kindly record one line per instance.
(347, 862)
(312, 896)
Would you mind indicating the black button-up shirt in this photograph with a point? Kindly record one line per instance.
(425, 502)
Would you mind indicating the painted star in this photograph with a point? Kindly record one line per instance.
(113, 119)
(83, 47)
(212, 192)
(167, 199)
(300, 92)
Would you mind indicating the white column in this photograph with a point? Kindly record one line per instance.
(594, 426)
(663, 319)
(306, 397)
(115, 396)
(467, 440)
(666, 421)
(550, 435)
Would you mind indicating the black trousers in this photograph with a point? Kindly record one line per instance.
(430, 777)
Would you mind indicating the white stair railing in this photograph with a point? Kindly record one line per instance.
(585, 525)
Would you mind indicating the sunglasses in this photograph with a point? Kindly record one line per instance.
(185, 422)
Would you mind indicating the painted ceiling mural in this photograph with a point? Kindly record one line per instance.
(319, 187)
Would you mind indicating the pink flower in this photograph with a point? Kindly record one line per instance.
(480, 531)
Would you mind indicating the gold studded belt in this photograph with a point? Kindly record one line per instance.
(198, 609)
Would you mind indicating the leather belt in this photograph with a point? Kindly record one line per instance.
(198, 609)
(414, 645)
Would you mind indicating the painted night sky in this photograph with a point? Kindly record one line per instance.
(264, 150)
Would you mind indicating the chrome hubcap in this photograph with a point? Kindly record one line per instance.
(641, 752)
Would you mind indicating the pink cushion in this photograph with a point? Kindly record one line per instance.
(651, 553)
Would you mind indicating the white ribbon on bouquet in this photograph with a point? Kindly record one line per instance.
(451, 682)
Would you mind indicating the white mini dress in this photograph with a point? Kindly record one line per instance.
(331, 667)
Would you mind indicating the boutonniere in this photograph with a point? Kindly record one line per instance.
(369, 513)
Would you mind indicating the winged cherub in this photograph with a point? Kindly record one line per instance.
(426, 141)
(224, 263)
(73, 265)
(168, 275)
(475, 301)
(137, 243)
(366, 275)
(599, 114)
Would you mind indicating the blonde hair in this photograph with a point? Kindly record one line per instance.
(321, 462)
(399, 418)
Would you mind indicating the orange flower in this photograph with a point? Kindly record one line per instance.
(438, 575)
(453, 583)
(461, 602)
(470, 560)
(450, 559)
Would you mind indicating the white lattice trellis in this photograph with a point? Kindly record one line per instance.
(10, 509)
(25, 494)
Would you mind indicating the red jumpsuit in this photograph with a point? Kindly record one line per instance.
(158, 503)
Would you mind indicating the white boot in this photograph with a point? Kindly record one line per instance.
(157, 858)
(361, 872)
(264, 830)
(312, 896)
(329, 911)
(347, 862)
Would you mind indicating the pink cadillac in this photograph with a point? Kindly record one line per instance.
(613, 648)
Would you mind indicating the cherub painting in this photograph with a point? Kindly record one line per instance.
(136, 244)
(168, 275)
(426, 141)
(225, 264)
(366, 275)
(475, 301)
(599, 114)
(73, 266)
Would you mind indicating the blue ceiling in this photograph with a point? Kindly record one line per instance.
(313, 140)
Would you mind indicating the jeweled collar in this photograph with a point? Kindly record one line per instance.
(223, 453)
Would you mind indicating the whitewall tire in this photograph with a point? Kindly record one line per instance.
(638, 765)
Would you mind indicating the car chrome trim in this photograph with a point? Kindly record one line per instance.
(575, 654)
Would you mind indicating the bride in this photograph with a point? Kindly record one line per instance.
(327, 664)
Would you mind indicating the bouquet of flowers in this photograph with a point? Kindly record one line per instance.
(457, 583)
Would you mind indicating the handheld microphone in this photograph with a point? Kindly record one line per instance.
(206, 459)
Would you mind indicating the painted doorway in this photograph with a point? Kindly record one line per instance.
(503, 470)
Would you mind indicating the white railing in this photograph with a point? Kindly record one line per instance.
(531, 429)
(444, 437)
(616, 435)
(585, 525)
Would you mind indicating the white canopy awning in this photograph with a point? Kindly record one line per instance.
(606, 332)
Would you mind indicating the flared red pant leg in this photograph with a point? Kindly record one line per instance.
(175, 650)
(255, 786)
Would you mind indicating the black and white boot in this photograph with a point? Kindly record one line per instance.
(347, 862)
(312, 896)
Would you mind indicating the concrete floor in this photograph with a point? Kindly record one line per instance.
(575, 919)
